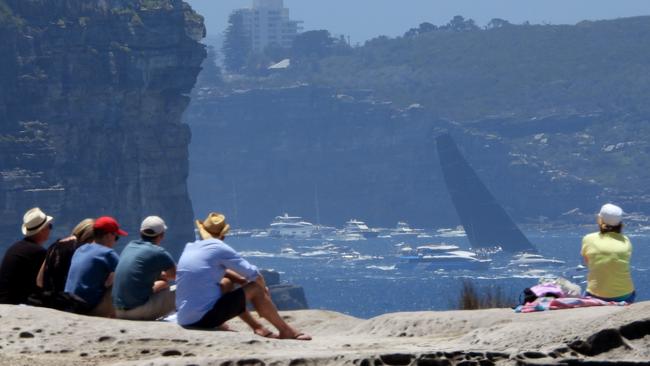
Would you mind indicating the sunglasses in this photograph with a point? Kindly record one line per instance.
(49, 226)
(117, 237)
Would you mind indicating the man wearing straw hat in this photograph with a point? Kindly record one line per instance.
(205, 295)
(23, 259)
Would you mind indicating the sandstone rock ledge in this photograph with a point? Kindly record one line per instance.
(590, 336)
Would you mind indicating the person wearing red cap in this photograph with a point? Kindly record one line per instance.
(93, 268)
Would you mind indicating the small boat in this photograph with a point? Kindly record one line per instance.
(360, 228)
(241, 233)
(534, 260)
(458, 232)
(443, 256)
(291, 227)
(260, 234)
(403, 229)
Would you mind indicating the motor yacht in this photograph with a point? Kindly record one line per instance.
(534, 260)
(403, 229)
(457, 232)
(357, 227)
(286, 226)
(442, 256)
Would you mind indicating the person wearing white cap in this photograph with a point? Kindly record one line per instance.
(23, 259)
(607, 255)
(141, 289)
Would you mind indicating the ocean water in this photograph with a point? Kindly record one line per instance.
(363, 279)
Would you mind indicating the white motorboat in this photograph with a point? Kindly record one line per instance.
(443, 256)
(286, 226)
(358, 227)
(403, 229)
(241, 233)
(457, 232)
(534, 260)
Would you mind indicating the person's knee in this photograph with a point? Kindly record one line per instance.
(227, 285)
(253, 290)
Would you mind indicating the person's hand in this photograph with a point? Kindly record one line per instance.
(70, 239)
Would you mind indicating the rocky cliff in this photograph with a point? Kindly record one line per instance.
(331, 156)
(553, 118)
(90, 111)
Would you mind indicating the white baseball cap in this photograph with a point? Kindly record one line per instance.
(152, 226)
(611, 215)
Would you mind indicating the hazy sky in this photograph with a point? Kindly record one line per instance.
(365, 19)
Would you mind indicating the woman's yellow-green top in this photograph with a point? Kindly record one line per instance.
(608, 259)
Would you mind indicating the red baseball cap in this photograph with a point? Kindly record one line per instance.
(109, 225)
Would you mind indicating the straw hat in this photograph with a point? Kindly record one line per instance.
(34, 221)
(214, 226)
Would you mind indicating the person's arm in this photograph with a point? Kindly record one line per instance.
(169, 274)
(235, 278)
(39, 277)
(109, 280)
(583, 251)
(231, 260)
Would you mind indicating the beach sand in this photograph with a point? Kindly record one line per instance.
(38, 336)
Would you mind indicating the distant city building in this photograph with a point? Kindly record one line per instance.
(268, 24)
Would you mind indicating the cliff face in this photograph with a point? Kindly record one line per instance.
(90, 110)
(327, 156)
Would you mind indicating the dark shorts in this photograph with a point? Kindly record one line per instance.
(227, 307)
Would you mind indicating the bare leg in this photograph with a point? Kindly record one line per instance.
(246, 317)
(257, 293)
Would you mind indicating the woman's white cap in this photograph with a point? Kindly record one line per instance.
(611, 215)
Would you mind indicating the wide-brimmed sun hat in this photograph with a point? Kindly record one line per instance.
(34, 221)
(214, 226)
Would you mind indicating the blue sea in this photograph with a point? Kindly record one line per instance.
(364, 279)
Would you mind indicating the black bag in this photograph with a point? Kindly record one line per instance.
(528, 296)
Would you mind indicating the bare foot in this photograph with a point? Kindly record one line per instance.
(297, 336)
(225, 328)
(263, 332)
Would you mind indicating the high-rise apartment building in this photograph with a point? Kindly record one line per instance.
(268, 24)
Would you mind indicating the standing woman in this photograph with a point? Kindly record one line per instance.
(607, 255)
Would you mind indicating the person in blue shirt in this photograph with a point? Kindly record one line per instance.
(141, 289)
(92, 268)
(205, 288)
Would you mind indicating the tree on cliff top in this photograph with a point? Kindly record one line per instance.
(237, 44)
(317, 44)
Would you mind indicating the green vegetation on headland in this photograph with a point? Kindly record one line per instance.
(7, 17)
(557, 113)
(465, 72)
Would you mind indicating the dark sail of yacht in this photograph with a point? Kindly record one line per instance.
(486, 223)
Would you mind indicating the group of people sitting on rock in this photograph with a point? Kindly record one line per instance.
(82, 273)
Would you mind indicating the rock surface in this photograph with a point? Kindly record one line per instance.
(591, 336)
(90, 111)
